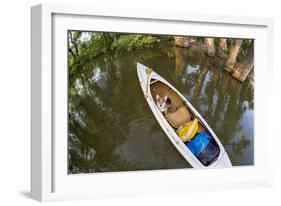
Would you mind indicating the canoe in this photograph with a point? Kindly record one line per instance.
(210, 155)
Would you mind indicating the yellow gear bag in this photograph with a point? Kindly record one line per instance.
(188, 131)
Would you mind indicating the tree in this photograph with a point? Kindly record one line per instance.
(233, 52)
(211, 51)
(221, 49)
(182, 41)
(74, 43)
(242, 70)
(181, 56)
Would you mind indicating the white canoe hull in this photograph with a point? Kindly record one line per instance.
(222, 160)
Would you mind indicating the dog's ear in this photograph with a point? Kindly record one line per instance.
(168, 101)
(165, 98)
(157, 97)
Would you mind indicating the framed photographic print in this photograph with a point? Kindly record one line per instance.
(135, 102)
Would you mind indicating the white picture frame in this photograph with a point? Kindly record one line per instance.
(49, 179)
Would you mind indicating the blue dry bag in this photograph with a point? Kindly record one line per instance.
(199, 142)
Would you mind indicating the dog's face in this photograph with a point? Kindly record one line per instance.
(163, 103)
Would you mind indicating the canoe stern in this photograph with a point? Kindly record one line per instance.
(224, 161)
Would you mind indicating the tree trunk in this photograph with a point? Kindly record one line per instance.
(233, 52)
(221, 50)
(181, 60)
(182, 41)
(211, 51)
(242, 70)
(71, 52)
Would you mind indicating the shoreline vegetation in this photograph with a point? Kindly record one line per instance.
(236, 55)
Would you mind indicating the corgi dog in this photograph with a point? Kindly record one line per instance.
(163, 103)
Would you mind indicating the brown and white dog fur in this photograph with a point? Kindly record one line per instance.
(163, 103)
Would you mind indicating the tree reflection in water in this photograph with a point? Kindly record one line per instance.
(111, 127)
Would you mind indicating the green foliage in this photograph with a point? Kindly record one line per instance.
(164, 38)
(217, 42)
(82, 50)
(199, 40)
(131, 41)
(84, 46)
(243, 49)
(100, 43)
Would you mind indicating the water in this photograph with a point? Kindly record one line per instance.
(111, 127)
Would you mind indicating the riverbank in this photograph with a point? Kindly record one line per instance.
(237, 59)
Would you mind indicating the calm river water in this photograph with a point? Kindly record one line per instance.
(111, 127)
